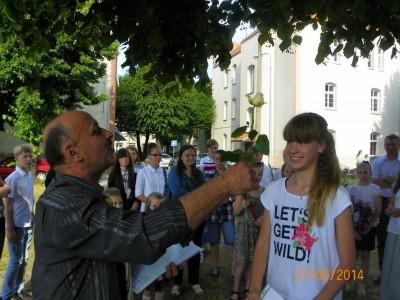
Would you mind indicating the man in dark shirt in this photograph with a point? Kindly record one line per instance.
(79, 239)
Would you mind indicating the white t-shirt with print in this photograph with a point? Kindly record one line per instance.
(363, 198)
(299, 272)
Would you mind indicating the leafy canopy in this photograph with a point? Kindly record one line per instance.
(36, 87)
(167, 111)
(177, 37)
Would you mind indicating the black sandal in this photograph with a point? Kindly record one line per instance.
(234, 295)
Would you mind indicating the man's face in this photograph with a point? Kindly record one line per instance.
(391, 147)
(258, 156)
(24, 160)
(93, 143)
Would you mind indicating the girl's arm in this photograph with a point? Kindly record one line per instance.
(238, 205)
(347, 255)
(375, 216)
(260, 261)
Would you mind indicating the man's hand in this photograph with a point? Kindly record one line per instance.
(11, 235)
(240, 179)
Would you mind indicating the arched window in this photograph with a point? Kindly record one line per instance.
(375, 100)
(233, 109)
(234, 68)
(226, 79)
(373, 140)
(225, 113)
(330, 95)
(250, 79)
(381, 59)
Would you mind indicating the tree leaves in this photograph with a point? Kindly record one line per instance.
(177, 39)
(262, 144)
(239, 131)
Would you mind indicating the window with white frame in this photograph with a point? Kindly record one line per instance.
(233, 109)
(225, 142)
(250, 79)
(226, 79)
(330, 95)
(381, 59)
(371, 60)
(375, 99)
(373, 143)
(225, 113)
(234, 68)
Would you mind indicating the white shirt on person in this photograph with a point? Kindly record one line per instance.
(21, 196)
(149, 180)
(383, 167)
(299, 271)
(363, 198)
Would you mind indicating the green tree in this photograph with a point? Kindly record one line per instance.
(177, 38)
(167, 111)
(35, 88)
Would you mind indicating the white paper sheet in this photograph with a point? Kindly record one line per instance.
(144, 275)
(270, 294)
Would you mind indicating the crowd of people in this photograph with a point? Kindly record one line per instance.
(301, 231)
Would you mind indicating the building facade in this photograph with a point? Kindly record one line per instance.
(361, 104)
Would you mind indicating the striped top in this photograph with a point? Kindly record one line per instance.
(79, 240)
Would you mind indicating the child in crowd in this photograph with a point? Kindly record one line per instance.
(219, 220)
(366, 210)
(207, 163)
(306, 237)
(248, 211)
(113, 197)
(389, 288)
(18, 212)
(287, 170)
(153, 201)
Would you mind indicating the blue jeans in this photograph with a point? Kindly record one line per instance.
(18, 252)
(214, 233)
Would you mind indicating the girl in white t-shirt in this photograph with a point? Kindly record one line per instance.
(306, 239)
(366, 200)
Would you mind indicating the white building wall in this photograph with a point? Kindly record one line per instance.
(292, 83)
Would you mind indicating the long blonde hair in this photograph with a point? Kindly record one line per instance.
(310, 127)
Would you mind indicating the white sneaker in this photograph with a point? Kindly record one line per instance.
(197, 289)
(175, 290)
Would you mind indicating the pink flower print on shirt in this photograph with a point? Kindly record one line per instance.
(303, 238)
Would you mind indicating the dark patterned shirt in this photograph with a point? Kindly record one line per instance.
(79, 240)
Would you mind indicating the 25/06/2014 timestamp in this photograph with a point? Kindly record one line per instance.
(325, 274)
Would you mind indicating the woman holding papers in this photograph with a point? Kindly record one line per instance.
(306, 238)
(182, 179)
